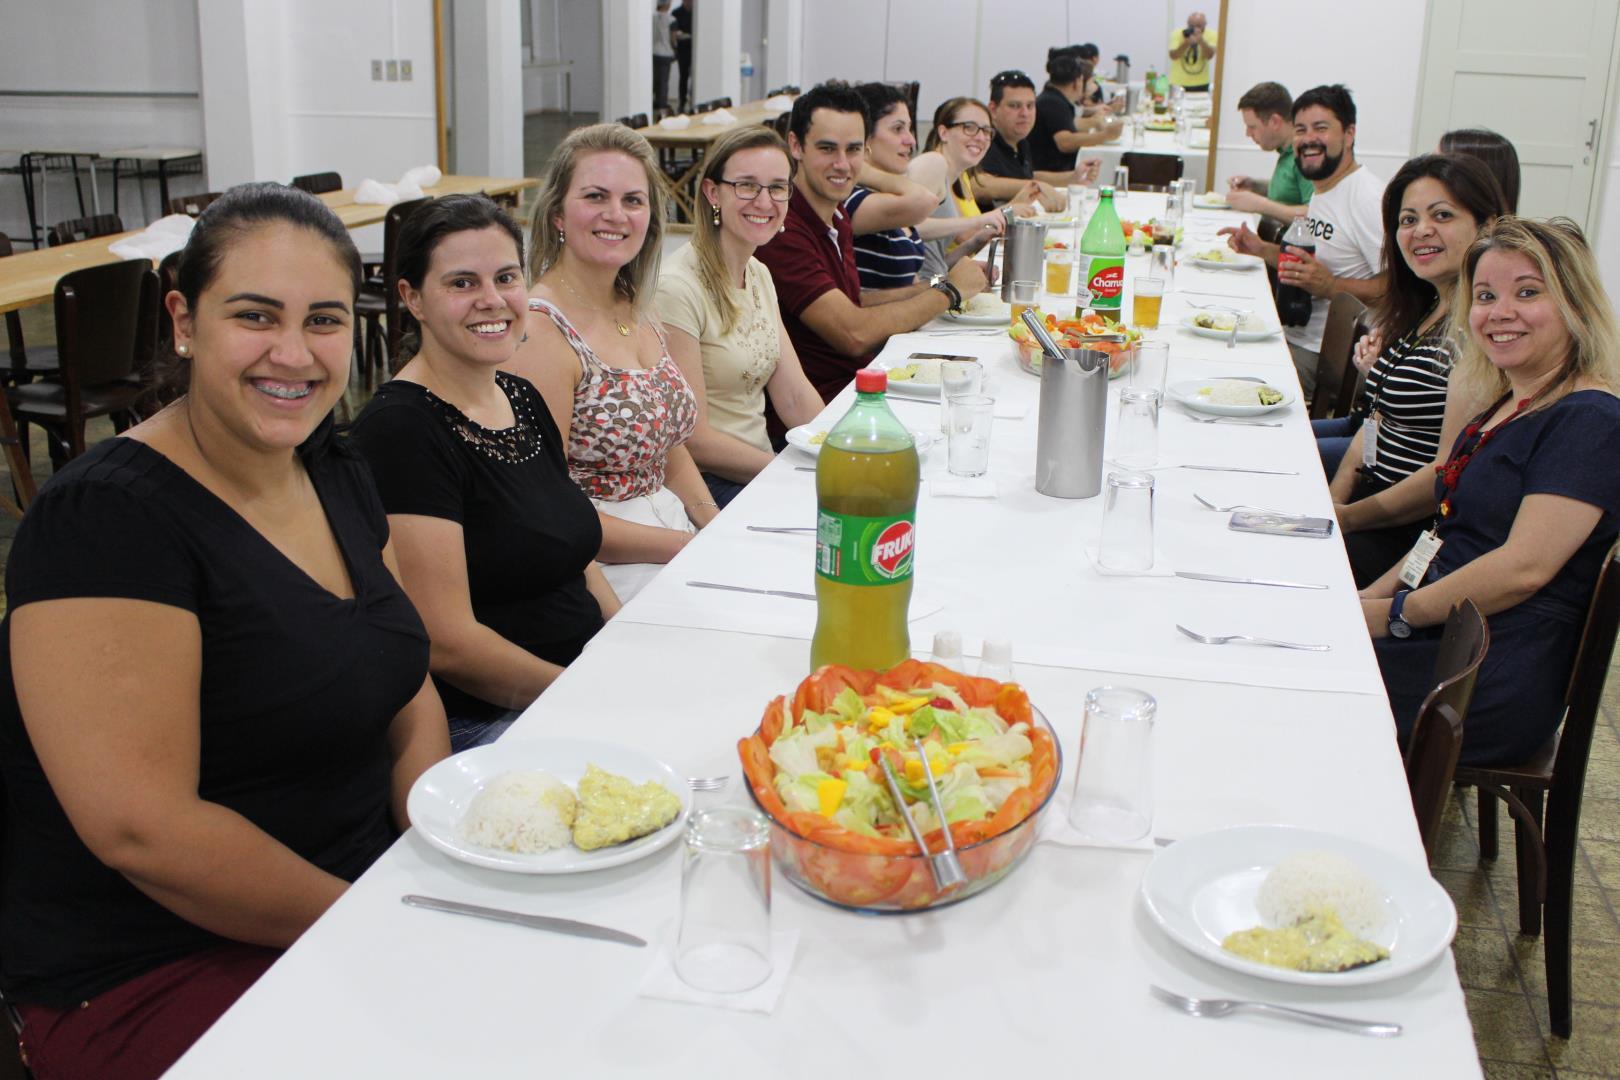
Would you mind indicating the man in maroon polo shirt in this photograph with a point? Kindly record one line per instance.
(812, 260)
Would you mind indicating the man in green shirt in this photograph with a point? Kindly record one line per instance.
(1267, 111)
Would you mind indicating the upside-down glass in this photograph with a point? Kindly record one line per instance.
(967, 434)
(1164, 264)
(1150, 367)
(956, 378)
(1113, 782)
(723, 945)
(1122, 178)
(1136, 436)
(1126, 543)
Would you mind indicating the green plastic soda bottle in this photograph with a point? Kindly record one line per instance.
(1102, 252)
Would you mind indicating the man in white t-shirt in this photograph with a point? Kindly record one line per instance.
(1343, 217)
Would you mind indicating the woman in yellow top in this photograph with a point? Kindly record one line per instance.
(956, 144)
(1192, 47)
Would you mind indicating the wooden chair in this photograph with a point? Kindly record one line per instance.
(378, 304)
(1544, 796)
(638, 120)
(105, 332)
(192, 205)
(84, 228)
(319, 183)
(1152, 172)
(1335, 374)
(1436, 738)
(19, 363)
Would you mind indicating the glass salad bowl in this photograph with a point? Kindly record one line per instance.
(841, 867)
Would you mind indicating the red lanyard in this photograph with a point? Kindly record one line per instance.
(1451, 472)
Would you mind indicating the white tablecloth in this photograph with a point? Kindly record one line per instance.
(1048, 970)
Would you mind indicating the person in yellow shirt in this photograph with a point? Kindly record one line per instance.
(1192, 47)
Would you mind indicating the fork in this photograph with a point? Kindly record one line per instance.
(707, 783)
(1230, 420)
(1225, 639)
(1237, 506)
(1218, 1007)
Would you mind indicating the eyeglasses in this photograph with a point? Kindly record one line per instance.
(969, 128)
(748, 190)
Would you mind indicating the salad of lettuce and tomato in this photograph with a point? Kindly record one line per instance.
(1067, 333)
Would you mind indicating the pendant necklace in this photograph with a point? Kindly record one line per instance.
(622, 328)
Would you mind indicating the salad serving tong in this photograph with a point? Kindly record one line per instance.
(945, 866)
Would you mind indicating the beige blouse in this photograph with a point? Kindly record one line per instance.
(736, 367)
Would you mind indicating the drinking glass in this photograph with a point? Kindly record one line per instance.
(1164, 263)
(1150, 368)
(1023, 296)
(1059, 265)
(956, 379)
(967, 434)
(1136, 439)
(1127, 525)
(1147, 298)
(723, 945)
(1077, 200)
(1113, 783)
(1122, 179)
(1138, 135)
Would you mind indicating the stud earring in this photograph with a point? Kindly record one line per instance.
(183, 350)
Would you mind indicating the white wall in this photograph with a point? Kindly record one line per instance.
(566, 29)
(488, 75)
(1605, 232)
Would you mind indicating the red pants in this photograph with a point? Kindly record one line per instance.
(137, 1030)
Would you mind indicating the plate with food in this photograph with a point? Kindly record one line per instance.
(1211, 200)
(809, 437)
(1225, 259)
(916, 376)
(1299, 906)
(985, 309)
(549, 806)
(1233, 396)
(1160, 125)
(815, 767)
(1218, 325)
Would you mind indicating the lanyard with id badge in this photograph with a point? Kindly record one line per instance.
(1428, 545)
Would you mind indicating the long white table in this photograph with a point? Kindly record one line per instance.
(1049, 969)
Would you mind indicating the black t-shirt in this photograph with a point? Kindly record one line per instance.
(529, 531)
(292, 739)
(683, 22)
(1053, 113)
(1004, 159)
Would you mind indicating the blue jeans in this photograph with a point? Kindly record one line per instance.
(466, 734)
(1333, 439)
(722, 489)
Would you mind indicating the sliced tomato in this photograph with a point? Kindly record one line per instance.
(818, 690)
(756, 761)
(857, 880)
(1019, 805)
(775, 718)
(1012, 704)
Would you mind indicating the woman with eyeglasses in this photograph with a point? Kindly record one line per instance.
(956, 144)
(718, 307)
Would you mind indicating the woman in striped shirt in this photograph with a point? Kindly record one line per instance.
(1383, 489)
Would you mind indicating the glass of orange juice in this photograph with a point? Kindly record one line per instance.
(1147, 299)
(1059, 268)
(1023, 296)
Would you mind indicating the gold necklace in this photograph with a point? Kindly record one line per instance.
(622, 328)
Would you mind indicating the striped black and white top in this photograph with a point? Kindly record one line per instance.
(889, 259)
(1406, 391)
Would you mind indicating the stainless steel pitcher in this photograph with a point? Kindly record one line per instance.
(1024, 257)
(1073, 419)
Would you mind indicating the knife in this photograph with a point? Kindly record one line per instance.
(761, 592)
(533, 922)
(782, 529)
(1247, 580)
(1234, 468)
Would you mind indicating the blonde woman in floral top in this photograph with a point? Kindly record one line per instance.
(599, 358)
(718, 306)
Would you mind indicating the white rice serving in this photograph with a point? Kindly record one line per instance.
(1234, 392)
(1309, 881)
(521, 812)
(988, 303)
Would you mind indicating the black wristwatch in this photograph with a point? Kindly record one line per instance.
(946, 286)
(1399, 627)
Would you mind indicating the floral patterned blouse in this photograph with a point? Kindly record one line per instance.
(625, 420)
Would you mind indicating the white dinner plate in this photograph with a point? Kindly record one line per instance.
(992, 310)
(1221, 335)
(442, 795)
(1230, 260)
(1210, 200)
(917, 387)
(1187, 393)
(1202, 888)
(799, 438)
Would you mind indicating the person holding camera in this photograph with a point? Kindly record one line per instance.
(1191, 49)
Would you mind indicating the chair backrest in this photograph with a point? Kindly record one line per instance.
(99, 324)
(319, 183)
(1585, 696)
(1152, 172)
(639, 120)
(85, 228)
(193, 205)
(1436, 740)
(1338, 342)
(390, 274)
(624, 121)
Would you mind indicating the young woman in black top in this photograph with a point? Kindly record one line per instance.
(496, 542)
(193, 771)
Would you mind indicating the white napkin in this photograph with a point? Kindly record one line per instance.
(675, 123)
(719, 117)
(781, 103)
(962, 487)
(376, 193)
(1010, 410)
(163, 237)
(1056, 829)
(423, 176)
(662, 982)
(1198, 137)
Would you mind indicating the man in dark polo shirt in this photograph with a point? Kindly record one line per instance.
(812, 260)
(1058, 133)
(1008, 167)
